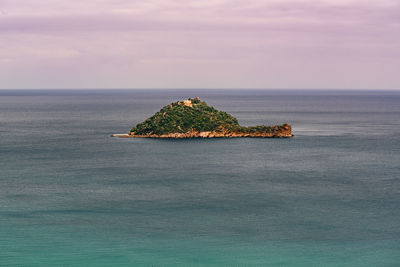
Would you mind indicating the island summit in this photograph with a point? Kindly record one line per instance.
(193, 118)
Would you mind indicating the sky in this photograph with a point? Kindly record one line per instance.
(334, 44)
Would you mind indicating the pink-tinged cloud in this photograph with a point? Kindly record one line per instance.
(200, 44)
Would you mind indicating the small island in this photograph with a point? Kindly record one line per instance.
(193, 118)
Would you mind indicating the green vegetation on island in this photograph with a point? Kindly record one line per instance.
(193, 115)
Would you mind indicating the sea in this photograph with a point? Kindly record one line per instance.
(71, 195)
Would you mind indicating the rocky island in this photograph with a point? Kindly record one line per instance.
(193, 118)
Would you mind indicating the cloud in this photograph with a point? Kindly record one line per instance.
(194, 15)
(210, 43)
(328, 16)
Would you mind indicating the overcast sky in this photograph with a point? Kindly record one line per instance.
(200, 44)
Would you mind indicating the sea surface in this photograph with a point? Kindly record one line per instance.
(71, 195)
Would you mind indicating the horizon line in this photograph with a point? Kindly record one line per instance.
(199, 88)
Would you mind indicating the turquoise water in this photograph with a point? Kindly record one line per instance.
(70, 195)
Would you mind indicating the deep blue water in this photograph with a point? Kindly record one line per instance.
(70, 195)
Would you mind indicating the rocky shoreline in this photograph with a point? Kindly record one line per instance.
(281, 131)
